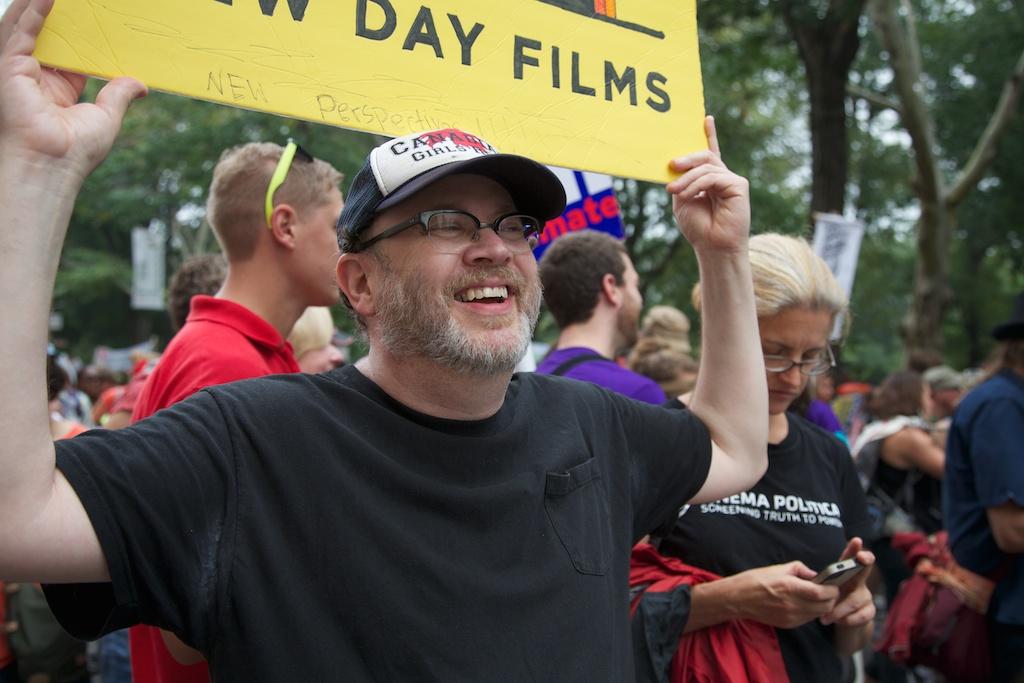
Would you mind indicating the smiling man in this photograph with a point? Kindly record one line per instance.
(424, 514)
(458, 293)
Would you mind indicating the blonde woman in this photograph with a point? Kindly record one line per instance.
(808, 510)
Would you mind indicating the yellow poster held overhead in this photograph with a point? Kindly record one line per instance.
(605, 85)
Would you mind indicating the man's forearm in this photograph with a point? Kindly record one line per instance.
(731, 396)
(37, 201)
(1007, 523)
(49, 142)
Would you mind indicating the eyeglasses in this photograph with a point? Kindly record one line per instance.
(449, 231)
(284, 164)
(813, 366)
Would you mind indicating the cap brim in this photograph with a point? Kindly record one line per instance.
(534, 189)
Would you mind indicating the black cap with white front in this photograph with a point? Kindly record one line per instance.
(402, 167)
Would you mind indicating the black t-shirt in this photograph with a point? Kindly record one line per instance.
(311, 528)
(807, 505)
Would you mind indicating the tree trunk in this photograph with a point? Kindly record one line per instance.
(922, 328)
(923, 325)
(970, 302)
(829, 146)
(827, 49)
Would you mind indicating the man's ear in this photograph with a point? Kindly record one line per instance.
(355, 282)
(610, 291)
(283, 221)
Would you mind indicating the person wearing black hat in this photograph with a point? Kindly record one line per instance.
(984, 491)
(421, 515)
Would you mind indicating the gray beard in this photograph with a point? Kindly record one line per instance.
(413, 321)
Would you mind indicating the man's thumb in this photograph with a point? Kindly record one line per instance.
(118, 94)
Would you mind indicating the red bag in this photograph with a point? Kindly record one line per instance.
(737, 651)
(938, 616)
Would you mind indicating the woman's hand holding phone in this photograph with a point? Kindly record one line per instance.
(838, 573)
(855, 606)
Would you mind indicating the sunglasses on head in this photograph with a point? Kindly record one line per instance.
(284, 164)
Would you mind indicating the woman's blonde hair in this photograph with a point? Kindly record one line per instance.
(662, 351)
(667, 363)
(668, 323)
(313, 330)
(788, 274)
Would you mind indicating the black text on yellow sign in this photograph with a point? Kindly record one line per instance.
(592, 84)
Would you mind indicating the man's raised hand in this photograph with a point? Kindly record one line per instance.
(711, 203)
(41, 120)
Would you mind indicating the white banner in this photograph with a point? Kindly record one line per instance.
(837, 242)
(148, 270)
(122, 360)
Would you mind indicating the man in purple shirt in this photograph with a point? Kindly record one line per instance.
(590, 287)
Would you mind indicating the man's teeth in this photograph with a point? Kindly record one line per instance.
(484, 293)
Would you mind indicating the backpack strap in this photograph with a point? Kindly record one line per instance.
(577, 360)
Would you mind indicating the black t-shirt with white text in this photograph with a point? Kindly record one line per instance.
(806, 507)
(311, 528)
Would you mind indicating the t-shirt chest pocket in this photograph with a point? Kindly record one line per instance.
(578, 510)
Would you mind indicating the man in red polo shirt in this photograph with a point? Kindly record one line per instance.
(273, 211)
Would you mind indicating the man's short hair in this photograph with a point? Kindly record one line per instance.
(202, 274)
(571, 272)
(236, 206)
(943, 377)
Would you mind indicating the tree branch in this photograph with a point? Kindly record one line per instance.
(985, 151)
(913, 42)
(670, 252)
(844, 18)
(871, 97)
(652, 274)
(907, 78)
(633, 215)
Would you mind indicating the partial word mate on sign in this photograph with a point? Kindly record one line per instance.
(590, 205)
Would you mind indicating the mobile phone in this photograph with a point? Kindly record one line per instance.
(838, 573)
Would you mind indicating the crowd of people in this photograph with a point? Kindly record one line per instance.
(250, 505)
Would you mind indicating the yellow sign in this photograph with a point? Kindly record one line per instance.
(604, 85)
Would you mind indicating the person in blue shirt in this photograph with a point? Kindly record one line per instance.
(984, 491)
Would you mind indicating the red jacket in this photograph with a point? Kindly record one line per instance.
(738, 651)
(937, 618)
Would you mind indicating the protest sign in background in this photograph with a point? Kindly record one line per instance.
(148, 269)
(590, 204)
(837, 241)
(603, 85)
